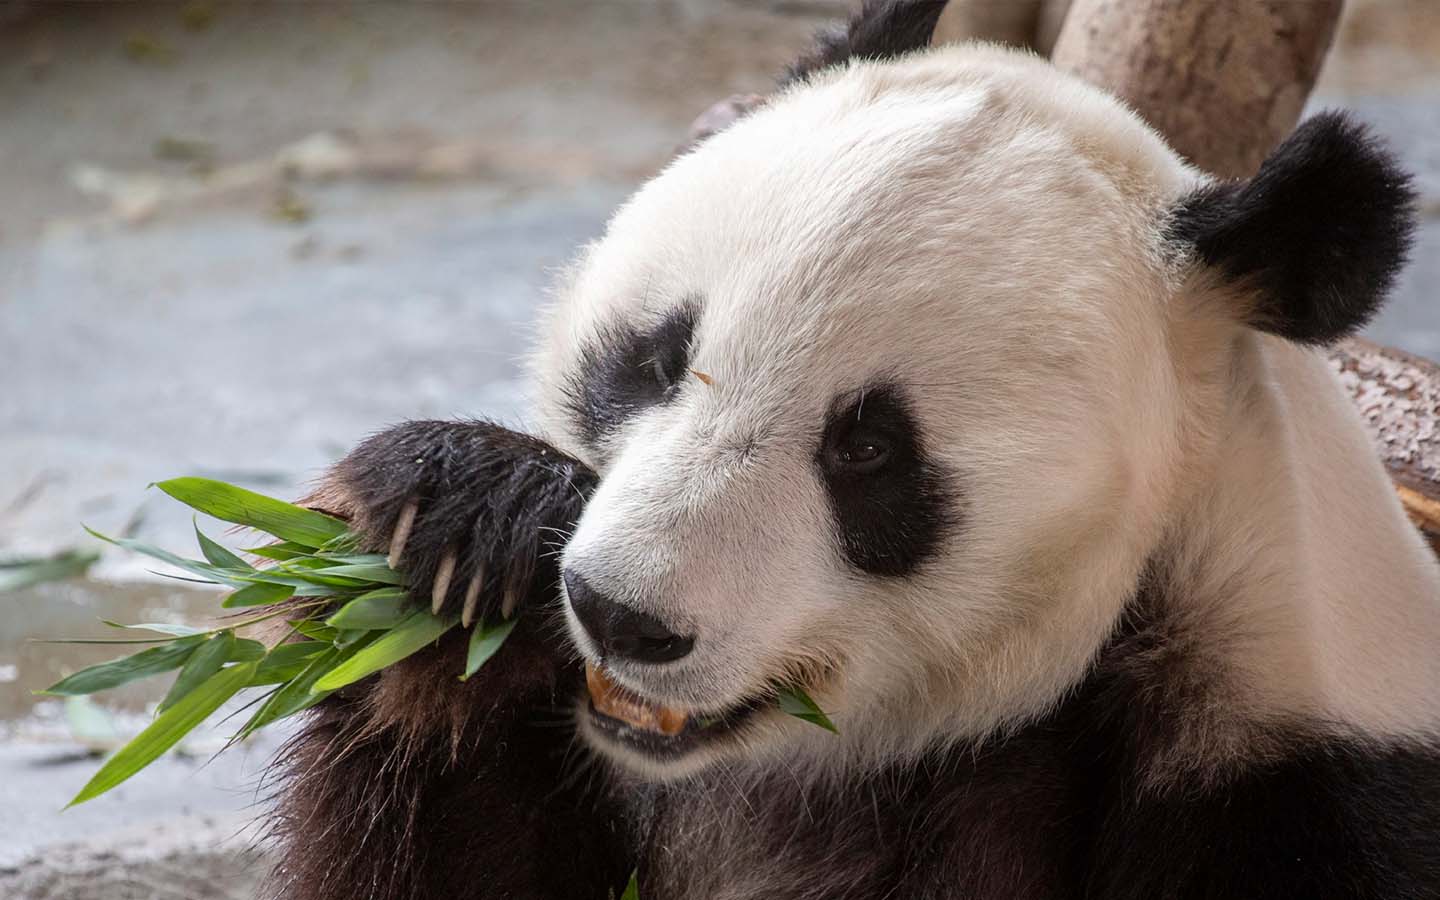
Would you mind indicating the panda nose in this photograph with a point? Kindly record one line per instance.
(622, 631)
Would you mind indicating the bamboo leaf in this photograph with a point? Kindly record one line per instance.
(632, 890)
(343, 543)
(162, 734)
(303, 587)
(302, 577)
(247, 650)
(415, 633)
(261, 593)
(218, 555)
(161, 627)
(287, 661)
(357, 559)
(280, 551)
(204, 662)
(383, 608)
(345, 637)
(796, 702)
(315, 631)
(234, 504)
(298, 693)
(377, 574)
(193, 566)
(116, 672)
(484, 641)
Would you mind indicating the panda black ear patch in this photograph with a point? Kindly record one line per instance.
(1320, 232)
(880, 30)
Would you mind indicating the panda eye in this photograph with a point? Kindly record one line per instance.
(892, 505)
(628, 370)
(666, 365)
(859, 453)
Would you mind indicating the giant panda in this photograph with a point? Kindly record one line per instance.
(940, 387)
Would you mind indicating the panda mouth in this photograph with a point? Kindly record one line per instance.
(653, 728)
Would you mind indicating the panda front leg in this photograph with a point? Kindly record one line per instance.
(412, 783)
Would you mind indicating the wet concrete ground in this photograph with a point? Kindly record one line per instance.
(234, 245)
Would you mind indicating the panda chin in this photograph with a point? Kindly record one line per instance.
(619, 719)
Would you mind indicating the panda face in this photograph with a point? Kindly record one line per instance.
(880, 389)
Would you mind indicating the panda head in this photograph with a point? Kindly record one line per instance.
(893, 385)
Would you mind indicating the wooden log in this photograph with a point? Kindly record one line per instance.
(1034, 24)
(1223, 80)
(1399, 397)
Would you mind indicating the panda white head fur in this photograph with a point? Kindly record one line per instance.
(900, 386)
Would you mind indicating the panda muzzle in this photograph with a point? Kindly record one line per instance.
(616, 702)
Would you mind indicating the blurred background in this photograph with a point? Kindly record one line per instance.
(236, 238)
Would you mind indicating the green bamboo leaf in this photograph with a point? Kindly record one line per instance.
(312, 570)
(193, 566)
(116, 672)
(315, 631)
(280, 551)
(303, 565)
(218, 555)
(484, 641)
(287, 661)
(383, 608)
(346, 637)
(377, 574)
(632, 890)
(298, 693)
(162, 734)
(161, 627)
(796, 702)
(204, 662)
(357, 559)
(303, 587)
(415, 633)
(344, 543)
(261, 593)
(247, 650)
(233, 504)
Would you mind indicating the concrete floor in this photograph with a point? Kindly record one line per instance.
(235, 246)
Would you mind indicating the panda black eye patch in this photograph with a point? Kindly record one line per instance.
(628, 369)
(893, 505)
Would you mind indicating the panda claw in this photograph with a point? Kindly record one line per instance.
(472, 598)
(507, 605)
(443, 574)
(401, 535)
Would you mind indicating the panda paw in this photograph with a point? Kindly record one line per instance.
(474, 514)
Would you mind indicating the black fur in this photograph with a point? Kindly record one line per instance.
(1332, 818)
(493, 497)
(881, 29)
(628, 370)
(890, 520)
(413, 785)
(1320, 232)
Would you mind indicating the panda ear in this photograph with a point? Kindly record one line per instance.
(880, 30)
(1319, 233)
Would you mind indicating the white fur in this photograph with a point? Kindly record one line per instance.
(987, 232)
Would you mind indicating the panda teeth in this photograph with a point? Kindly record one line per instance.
(610, 699)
